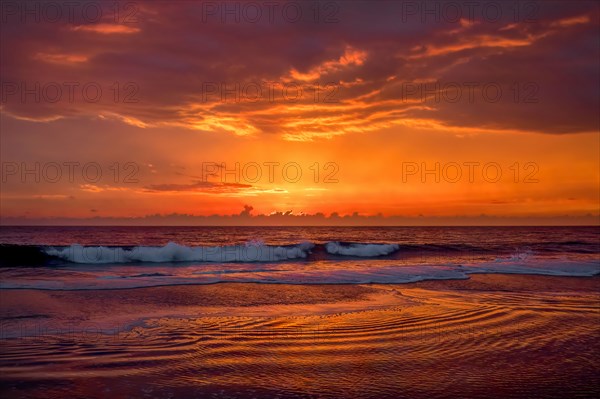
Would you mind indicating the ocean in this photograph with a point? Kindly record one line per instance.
(132, 257)
(302, 312)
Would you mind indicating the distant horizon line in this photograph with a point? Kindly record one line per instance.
(322, 225)
(246, 219)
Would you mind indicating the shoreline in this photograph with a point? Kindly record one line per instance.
(430, 281)
(24, 308)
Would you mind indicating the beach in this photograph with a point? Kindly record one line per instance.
(490, 336)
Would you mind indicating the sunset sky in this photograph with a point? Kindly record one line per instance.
(383, 109)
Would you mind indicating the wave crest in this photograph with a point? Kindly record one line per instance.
(172, 252)
(362, 250)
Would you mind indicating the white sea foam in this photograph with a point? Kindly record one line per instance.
(538, 266)
(341, 272)
(180, 253)
(362, 250)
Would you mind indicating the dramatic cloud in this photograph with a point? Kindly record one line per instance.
(353, 68)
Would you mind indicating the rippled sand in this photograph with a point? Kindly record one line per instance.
(492, 336)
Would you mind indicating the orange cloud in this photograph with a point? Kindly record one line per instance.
(350, 57)
(106, 29)
(64, 59)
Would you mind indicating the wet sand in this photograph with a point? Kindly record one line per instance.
(492, 336)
